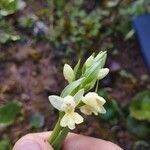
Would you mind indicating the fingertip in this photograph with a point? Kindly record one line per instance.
(31, 142)
(79, 142)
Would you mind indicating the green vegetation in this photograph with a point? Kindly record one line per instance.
(5, 144)
(114, 112)
(140, 106)
(7, 32)
(8, 7)
(9, 112)
(74, 28)
(135, 115)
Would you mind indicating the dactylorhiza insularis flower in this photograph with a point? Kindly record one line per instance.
(68, 105)
(81, 79)
(93, 104)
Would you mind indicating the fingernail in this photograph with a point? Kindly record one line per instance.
(28, 145)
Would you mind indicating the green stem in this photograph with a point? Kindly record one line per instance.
(96, 88)
(60, 139)
(56, 130)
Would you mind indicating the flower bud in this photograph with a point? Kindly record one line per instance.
(89, 61)
(102, 73)
(68, 73)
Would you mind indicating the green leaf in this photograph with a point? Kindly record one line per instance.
(5, 145)
(37, 120)
(138, 7)
(113, 112)
(7, 32)
(71, 87)
(8, 7)
(76, 69)
(139, 128)
(8, 37)
(89, 86)
(9, 112)
(140, 106)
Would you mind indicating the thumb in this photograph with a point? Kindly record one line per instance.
(32, 142)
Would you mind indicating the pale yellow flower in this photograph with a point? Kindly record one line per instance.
(68, 73)
(93, 104)
(68, 105)
(70, 119)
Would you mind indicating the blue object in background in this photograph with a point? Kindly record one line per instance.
(141, 25)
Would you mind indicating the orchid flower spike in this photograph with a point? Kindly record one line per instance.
(68, 105)
(93, 104)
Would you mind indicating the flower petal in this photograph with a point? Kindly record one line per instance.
(95, 113)
(71, 123)
(90, 99)
(78, 118)
(94, 102)
(56, 101)
(68, 120)
(103, 110)
(64, 121)
(68, 104)
(101, 100)
(86, 110)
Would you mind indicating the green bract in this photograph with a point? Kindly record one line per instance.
(91, 72)
(71, 87)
